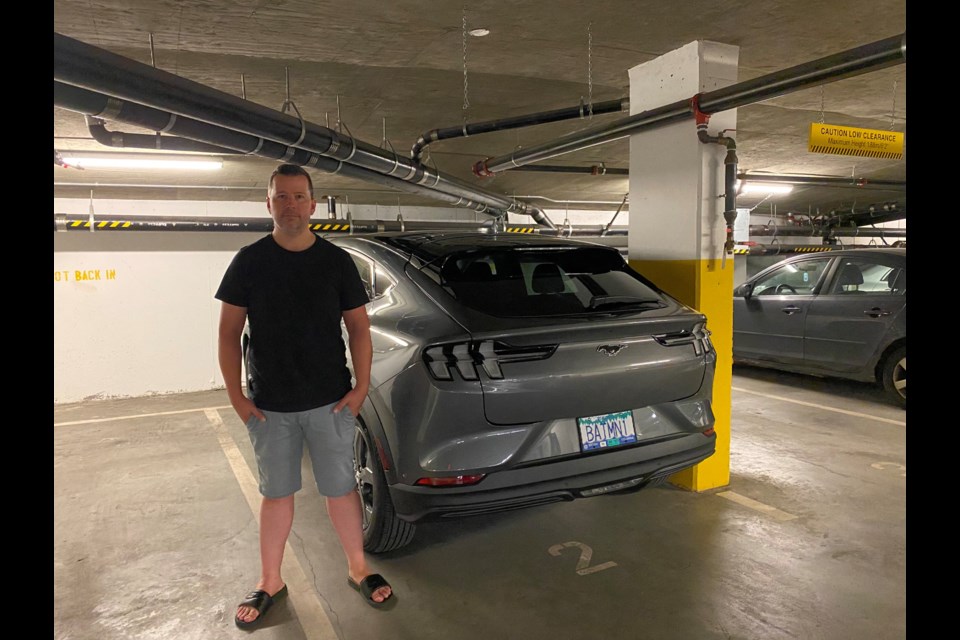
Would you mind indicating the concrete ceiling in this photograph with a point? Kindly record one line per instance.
(399, 66)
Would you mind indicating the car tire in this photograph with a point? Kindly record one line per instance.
(894, 376)
(382, 529)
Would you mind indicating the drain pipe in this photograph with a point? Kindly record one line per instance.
(730, 169)
(568, 113)
(824, 181)
(69, 222)
(595, 170)
(101, 106)
(88, 67)
(871, 57)
(98, 130)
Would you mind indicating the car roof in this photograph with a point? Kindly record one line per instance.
(428, 245)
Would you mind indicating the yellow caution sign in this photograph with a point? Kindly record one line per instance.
(853, 141)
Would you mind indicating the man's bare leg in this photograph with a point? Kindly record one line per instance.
(276, 519)
(347, 520)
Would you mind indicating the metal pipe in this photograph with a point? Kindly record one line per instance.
(85, 66)
(543, 117)
(595, 170)
(70, 222)
(102, 106)
(824, 181)
(813, 230)
(116, 139)
(870, 57)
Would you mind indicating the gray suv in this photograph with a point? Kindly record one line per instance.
(516, 370)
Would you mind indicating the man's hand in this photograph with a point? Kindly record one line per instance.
(245, 408)
(353, 399)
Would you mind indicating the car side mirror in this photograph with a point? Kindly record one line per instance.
(744, 290)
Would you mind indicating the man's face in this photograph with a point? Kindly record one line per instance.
(290, 203)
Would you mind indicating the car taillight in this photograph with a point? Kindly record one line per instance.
(699, 338)
(451, 481)
(469, 357)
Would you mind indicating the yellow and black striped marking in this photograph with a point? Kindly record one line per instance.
(813, 249)
(863, 153)
(740, 252)
(522, 230)
(328, 226)
(116, 224)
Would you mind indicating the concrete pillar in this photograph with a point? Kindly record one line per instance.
(677, 230)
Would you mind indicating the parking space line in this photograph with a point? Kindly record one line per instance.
(766, 509)
(139, 415)
(302, 593)
(857, 414)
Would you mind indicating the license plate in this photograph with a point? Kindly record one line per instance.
(608, 431)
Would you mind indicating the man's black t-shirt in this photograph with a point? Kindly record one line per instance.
(296, 358)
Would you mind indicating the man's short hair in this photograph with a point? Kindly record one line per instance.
(290, 170)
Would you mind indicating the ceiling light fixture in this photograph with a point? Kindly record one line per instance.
(760, 188)
(88, 161)
(479, 32)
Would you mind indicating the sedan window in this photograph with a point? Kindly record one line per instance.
(794, 279)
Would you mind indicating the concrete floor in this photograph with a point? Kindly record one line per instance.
(155, 536)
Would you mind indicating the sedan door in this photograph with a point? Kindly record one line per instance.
(853, 318)
(769, 324)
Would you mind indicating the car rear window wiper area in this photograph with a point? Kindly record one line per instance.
(612, 302)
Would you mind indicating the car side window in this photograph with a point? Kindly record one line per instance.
(860, 275)
(376, 282)
(798, 278)
(366, 273)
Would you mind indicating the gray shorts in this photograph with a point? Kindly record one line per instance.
(278, 446)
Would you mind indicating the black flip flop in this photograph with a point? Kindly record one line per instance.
(368, 585)
(261, 601)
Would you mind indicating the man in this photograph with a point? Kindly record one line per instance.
(293, 288)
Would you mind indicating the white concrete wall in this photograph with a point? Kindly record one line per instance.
(134, 312)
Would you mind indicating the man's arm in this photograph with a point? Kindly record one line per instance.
(361, 352)
(232, 321)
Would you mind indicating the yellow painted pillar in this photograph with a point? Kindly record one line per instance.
(677, 230)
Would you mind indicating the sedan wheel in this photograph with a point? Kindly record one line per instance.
(382, 529)
(895, 376)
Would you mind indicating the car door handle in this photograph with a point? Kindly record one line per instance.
(792, 309)
(876, 312)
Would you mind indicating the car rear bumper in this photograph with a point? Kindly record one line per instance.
(554, 482)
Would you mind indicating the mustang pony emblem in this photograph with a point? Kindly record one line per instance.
(611, 349)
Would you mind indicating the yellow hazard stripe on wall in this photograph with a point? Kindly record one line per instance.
(741, 252)
(329, 226)
(101, 225)
(707, 286)
(811, 249)
(523, 230)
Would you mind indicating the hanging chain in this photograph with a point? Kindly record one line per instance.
(821, 104)
(893, 107)
(466, 100)
(590, 69)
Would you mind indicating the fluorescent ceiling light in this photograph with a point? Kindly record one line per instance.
(765, 189)
(160, 162)
(479, 32)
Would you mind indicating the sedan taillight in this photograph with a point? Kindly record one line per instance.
(469, 357)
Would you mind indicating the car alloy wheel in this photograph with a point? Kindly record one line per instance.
(894, 376)
(382, 529)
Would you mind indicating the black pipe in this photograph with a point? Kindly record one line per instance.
(117, 139)
(871, 57)
(824, 181)
(596, 170)
(70, 222)
(815, 230)
(567, 113)
(89, 67)
(101, 106)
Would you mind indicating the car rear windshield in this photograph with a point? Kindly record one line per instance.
(546, 281)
